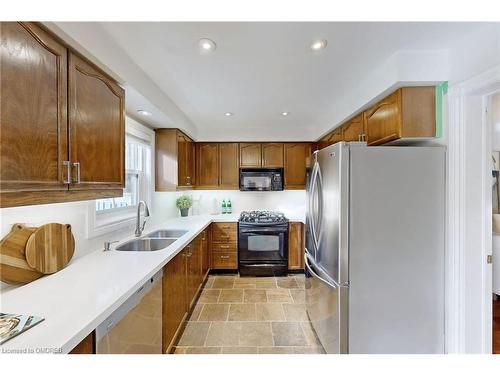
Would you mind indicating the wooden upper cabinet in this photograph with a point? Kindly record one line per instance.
(185, 160)
(175, 160)
(272, 155)
(33, 114)
(250, 155)
(96, 127)
(229, 164)
(295, 164)
(207, 156)
(353, 130)
(409, 112)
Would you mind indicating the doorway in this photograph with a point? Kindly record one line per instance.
(493, 116)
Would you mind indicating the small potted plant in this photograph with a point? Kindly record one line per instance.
(183, 203)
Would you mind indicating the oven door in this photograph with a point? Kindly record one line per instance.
(263, 244)
(255, 181)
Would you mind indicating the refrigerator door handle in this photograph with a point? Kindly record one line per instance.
(312, 213)
(309, 268)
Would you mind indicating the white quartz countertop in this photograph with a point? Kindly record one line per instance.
(75, 300)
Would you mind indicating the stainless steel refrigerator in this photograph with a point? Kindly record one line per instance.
(375, 248)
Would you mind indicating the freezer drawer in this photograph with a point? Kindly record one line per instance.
(136, 326)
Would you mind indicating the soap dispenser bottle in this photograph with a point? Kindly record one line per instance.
(229, 209)
(224, 207)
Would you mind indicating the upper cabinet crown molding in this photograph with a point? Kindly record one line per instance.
(37, 163)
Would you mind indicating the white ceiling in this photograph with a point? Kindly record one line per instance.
(261, 69)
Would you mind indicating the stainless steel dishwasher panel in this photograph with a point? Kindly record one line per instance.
(136, 326)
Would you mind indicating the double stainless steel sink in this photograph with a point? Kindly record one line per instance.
(153, 241)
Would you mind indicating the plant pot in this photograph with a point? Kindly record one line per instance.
(184, 211)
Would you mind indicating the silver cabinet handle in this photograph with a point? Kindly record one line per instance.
(224, 256)
(77, 165)
(188, 180)
(67, 164)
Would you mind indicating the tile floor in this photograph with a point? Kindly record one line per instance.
(250, 315)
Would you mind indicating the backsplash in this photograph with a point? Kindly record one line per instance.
(291, 202)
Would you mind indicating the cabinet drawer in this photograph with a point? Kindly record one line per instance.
(226, 247)
(225, 260)
(224, 232)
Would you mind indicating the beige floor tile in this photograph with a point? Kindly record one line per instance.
(244, 283)
(240, 350)
(295, 312)
(223, 283)
(299, 296)
(276, 350)
(210, 281)
(256, 334)
(196, 311)
(209, 296)
(242, 312)
(288, 334)
(194, 334)
(180, 350)
(269, 312)
(312, 339)
(223, 334)
(266, 284)
(203, 350)
(214, 312)
(287, 282)
(231, 295)
(255, 295)
(279, 295)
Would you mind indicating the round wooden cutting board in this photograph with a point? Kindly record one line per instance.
(50, 247)
(13, 266)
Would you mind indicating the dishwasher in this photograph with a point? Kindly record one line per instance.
(136, 326)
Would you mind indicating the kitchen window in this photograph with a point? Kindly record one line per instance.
(106, 215)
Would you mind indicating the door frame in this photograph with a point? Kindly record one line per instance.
(468, 317)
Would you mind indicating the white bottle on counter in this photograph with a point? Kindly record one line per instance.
(215, 207)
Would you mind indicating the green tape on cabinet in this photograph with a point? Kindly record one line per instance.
(441, 90)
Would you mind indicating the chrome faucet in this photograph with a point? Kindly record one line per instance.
(138, 227)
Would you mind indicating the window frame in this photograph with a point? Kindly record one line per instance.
(100, 223)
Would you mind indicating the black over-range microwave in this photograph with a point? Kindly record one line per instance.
(261, 179)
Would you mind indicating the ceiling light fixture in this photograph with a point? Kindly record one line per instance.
(207, 45)
(228, 114)
(285, 113)
(144, 112)
(318, 44)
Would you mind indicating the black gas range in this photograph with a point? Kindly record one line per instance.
(262, 243)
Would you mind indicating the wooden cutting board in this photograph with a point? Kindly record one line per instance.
(50, 248)
(13, 266)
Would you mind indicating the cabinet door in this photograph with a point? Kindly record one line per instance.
(33, 114)
(296, 246)
(354, 130)
(185, 161)
(96, 127)
(193, 270)
(295, 164)
(166, 167)
(383, 120)
(208, 165)
(229, 166)
(205, 261)
(174, 298)
(272, 155)
(250, 155)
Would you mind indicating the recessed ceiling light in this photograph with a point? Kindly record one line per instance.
(318, 44)
(207, 45)
(285, 113)
(228, 114)
(144, 112)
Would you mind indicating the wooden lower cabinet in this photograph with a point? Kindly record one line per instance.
(296, 245)
(224, 246)
(205, 256)
(86, 346)
(194, 274)
(174, 299)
